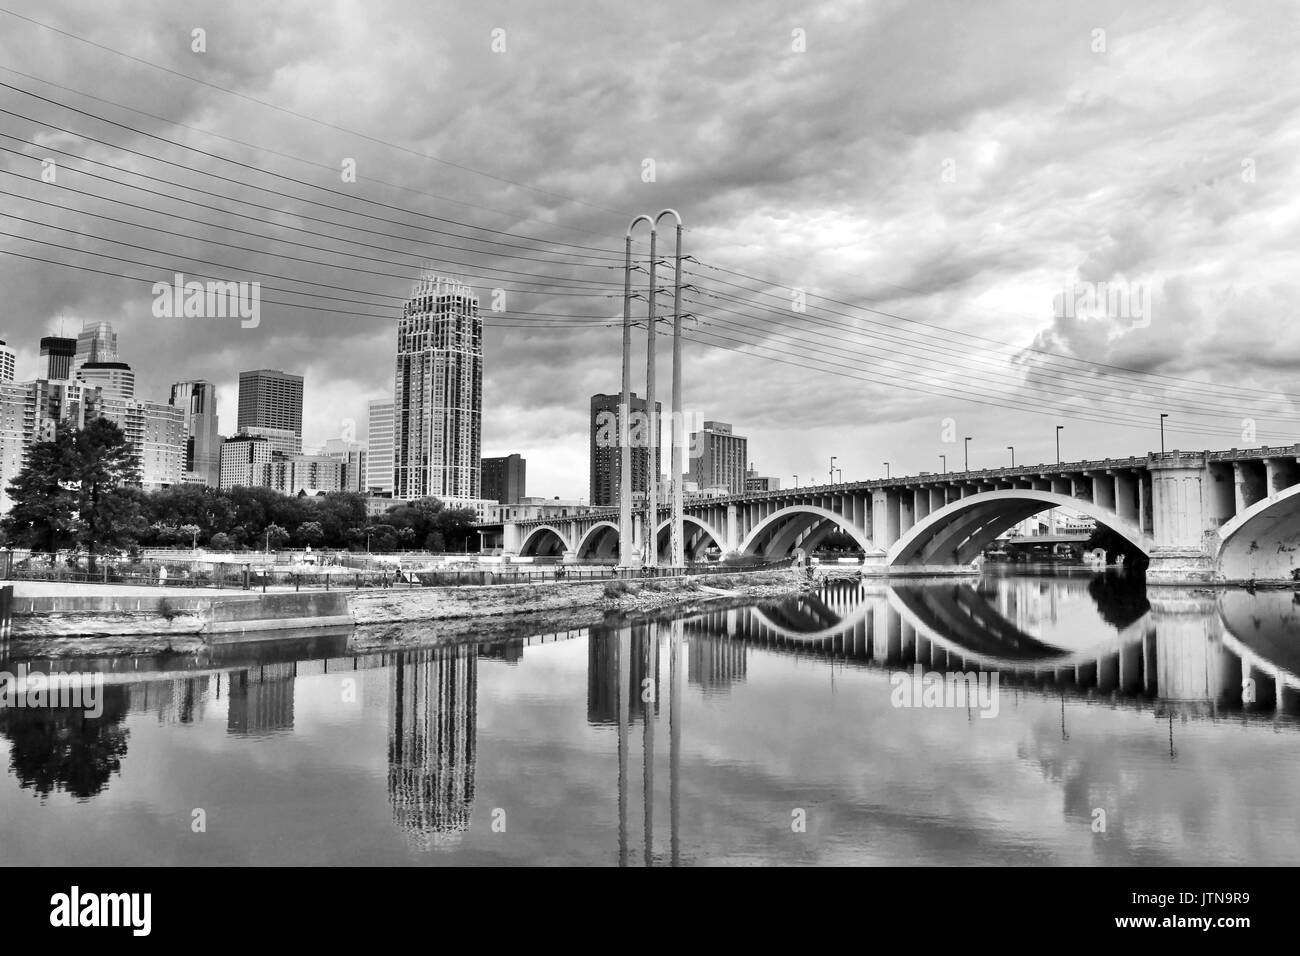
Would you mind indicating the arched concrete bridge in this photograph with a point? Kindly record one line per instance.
(1227, 515)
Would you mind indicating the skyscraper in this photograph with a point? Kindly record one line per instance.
(244, 461)
(97, 342)
(379, 448)
(351, 456)
(271, 399)
(438, 392)
(115, 379)
(57, 354)
(198, 401)
(719, 458)
(606, 457)
(503, 479)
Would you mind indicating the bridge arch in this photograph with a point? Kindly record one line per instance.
(958, 532)
(600, 541)
(663, 536)
(776, 534)
(1263, 542)
(543, 541)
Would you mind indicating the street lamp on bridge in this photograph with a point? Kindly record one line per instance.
(966, 449)
(886, 471)
(1012, 449)
(944, 459)
(796, 481)
(1163, 416)
(1058, 443)
(832, 478)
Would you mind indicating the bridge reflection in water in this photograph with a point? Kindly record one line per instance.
(1188, 653)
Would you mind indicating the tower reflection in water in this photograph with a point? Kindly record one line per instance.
(625, 686)
(431, 738)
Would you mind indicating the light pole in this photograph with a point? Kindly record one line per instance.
(676, 537)
(1012, 449)
(1058, 443)
(796, 481)
(1163, 416)
(625, 544)
(944, 459)
(966, 450)
(832, 477)
(886, 471)
(840, 473)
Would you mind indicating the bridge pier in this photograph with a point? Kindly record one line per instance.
(1180, 519)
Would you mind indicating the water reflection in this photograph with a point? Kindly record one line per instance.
(431, 732)
(1181, 654)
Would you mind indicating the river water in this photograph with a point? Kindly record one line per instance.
(1106, 724)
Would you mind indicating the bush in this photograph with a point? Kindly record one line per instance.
(618, 587)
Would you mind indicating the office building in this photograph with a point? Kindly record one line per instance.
(756, 482)
(113, 379)
(197, 401)
(244, 461)
(351, 456)
(97, 342)
(271, 399)
(57, 355)
(606, 460)
(438, 392)
(310, 473)
(719, 457)
(379, 448)
(504, 479)
(8, 363)
(156, 433)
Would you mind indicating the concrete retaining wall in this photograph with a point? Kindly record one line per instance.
(391, 605)
(119, 615)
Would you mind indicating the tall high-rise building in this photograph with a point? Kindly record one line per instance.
(57, 355)
(156, 433)
(97, 342)
(379, 448)
(244, 461)
(719, 458)
(198, 401)
(438, 392)
(305, 473)
(351, 456)
(8, 363)
(114, 379)
(269, 398)
(504, 479)
(606, 450)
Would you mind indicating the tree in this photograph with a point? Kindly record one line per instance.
(44, 512)
(222, 542)
(275, 536)
(310, 533)
(193, 531)
(76, 491)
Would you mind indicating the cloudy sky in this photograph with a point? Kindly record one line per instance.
(902, 213)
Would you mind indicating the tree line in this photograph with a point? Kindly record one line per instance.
(80, 491)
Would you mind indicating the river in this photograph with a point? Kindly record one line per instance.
(1106, 723)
